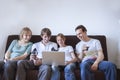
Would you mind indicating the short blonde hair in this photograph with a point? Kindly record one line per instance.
(25, 30)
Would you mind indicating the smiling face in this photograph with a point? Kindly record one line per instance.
(26, 37)
(45, 38)
(60, 40)
(25, 34)
(45, 35)
(80, 34)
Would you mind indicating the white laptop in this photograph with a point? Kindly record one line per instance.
(53, 58)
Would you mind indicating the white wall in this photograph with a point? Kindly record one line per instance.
(99, 16)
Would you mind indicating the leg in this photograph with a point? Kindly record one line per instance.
(10, 70)
(55, 73)
(44, 72)
(86, 73)
(69, 71)
(109, 69)
(22, 66)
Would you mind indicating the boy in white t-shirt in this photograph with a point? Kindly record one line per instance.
(91, 56)
(44, 70)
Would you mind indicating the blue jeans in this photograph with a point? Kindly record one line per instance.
(44, 72)
(55, 73)
(107, 67)
(69, 71)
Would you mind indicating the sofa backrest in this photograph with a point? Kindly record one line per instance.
(70, 40)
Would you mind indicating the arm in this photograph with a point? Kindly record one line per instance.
(99, 58)
(79, 52)
(74, 59)
(7, 55)
(100, 55)
(9, 51)
(33, 57)
(24, 53)
(79, 57)
(20, 57)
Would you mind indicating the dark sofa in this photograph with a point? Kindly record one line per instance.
(70, 40)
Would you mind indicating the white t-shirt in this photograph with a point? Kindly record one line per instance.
(67, 50)
(93, 44)
(41, 47)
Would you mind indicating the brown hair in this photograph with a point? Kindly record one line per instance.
(81, 27)
(25, 30)
(45, 30)
(61, 35)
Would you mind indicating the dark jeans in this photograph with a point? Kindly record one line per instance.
(24, 65)
(10, 68)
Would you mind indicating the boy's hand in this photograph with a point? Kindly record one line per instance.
(37, 62)
(94, 67)
(32, 57)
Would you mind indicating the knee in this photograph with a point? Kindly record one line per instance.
(84, 65)
(45, 68)
(7, 65)
(55, 68)
(20, 63)
(111, 65)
